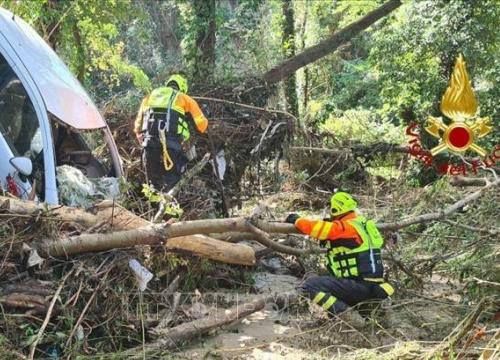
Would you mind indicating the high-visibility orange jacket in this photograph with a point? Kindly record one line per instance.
(340, 232)
(182, 104)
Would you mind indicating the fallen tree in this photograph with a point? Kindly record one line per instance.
(156, 234)
(137, 231)
(118, 218)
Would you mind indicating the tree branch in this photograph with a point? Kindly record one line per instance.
(437, 215)
(289, 66)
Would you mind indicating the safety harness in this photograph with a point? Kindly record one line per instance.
(159, 118)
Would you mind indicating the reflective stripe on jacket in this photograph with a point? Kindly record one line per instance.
(354, 245)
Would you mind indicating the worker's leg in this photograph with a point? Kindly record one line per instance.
(320, 291)
(173, 176)
(336, 295)
(153, 165)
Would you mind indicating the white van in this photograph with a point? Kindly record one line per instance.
(46, 118)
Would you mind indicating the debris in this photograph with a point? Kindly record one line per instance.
(142, 275)
(77, 190)
(178, 335)
(33, 258)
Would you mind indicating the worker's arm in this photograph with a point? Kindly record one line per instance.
(192, 107)
(329, 230)
(139, 119)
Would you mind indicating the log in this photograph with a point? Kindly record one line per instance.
(121, 219)
(204, 246)
(155, 234)
(177, 336)
(63, 213)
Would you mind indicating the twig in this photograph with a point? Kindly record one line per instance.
(460, 331)
(47, 317)
(84, 311)
(473, 228)
(481, 281)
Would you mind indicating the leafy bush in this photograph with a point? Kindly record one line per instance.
(364, 126)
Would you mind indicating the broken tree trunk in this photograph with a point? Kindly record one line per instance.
(177, 336)
(214, 249)
(155, 234)
(288, 67)
(120, 218)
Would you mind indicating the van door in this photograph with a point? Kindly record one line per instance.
(21, 135)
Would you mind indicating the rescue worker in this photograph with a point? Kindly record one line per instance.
(162, 128)
(353, 257)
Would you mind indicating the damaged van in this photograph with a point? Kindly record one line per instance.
(47, 120)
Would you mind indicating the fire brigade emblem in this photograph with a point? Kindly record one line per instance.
(460, 106)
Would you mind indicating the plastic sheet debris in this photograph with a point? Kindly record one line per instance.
(142, 275)
(33, 258)
(221, 164)
(77, 190)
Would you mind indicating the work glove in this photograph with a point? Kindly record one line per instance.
(291, 218)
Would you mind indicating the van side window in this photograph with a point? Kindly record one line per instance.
(19, 123)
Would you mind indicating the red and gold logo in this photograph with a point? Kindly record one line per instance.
(459, 104)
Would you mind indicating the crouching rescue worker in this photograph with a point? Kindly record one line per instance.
(162, 127)
(353, 257)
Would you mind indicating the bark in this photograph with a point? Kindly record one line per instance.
(80, 67)
(288, 48)
(179, 335)
(305, 86)
(288, 67)
(155, 235)
(119, 218)
(204, 60)
(204, 246)
(61, 213)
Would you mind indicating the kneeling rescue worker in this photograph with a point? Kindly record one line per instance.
(353, 257)
(162, 129)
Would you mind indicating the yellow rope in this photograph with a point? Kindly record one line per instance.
(167, 160)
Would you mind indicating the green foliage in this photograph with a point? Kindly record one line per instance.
(171, 207)
(85, 34)
(413, 55)
(362, 125)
